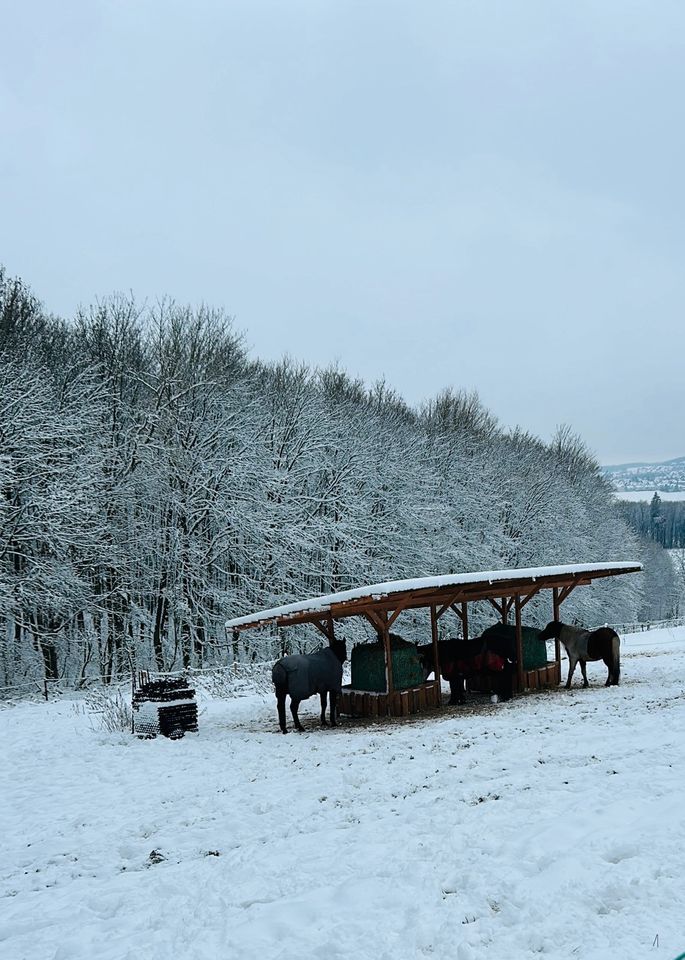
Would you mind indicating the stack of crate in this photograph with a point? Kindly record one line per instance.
(164, 705)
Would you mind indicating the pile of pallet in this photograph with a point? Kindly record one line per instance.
(165, 706)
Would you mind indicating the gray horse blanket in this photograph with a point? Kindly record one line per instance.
(305, 674)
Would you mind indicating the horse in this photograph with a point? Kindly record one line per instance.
(460, 659)
(301, 675)
(583, 645)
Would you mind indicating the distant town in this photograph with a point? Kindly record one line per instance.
(667, 477)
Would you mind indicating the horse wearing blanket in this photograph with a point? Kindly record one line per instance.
(583, 645)
(460, 659)
(301, 675)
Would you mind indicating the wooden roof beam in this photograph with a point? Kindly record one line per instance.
(443, 597)
(460, 613)
(446, 606)
(326, 628)
(565, 592)
(377, 622)
(529, 596)
(398, 611)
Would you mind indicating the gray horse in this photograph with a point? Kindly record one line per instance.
(583, 645)
(301, 675)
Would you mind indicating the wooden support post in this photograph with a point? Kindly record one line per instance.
(434, 635)
(505, 610)
(465, 621)
(385, 634)
(556, 605)
(519, 643)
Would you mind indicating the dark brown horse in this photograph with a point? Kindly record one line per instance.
(583, 645)
(461, 659)
(301, 675)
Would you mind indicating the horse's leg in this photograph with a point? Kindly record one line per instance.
(294, 706)
(323, 708)
(457, 691)
(334, 707)
(608, 665)
(506, 684)
(280, 706)
(572, 661)
(583, 671)
(611, 665)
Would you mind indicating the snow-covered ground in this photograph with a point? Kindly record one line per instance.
(552, 825)
(646, 495)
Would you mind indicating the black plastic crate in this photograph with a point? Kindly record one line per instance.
(165, 706)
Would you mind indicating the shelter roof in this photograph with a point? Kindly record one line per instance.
(444, 589)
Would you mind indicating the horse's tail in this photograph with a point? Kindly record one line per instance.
(279, 676)
(615, 659)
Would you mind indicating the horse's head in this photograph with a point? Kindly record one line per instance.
(339, 649)
(552, 630)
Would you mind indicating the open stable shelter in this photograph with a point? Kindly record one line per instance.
(508, 591)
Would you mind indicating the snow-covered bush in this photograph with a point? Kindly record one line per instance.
(110, 708)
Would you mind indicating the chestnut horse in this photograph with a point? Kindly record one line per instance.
(583, 645)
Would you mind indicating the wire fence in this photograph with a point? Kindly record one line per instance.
(622, 628)
(228, 680)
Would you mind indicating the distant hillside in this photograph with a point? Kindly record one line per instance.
(668, 476)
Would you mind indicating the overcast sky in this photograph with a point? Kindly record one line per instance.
(476, 194)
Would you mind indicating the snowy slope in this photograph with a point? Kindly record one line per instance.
(553, 825)
(636, 496)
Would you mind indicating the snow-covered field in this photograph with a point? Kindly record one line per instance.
(553, 825)
(636, 495)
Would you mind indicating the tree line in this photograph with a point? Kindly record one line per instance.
(660, 520)
(156, 480)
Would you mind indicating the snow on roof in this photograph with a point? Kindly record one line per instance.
(377, 591)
